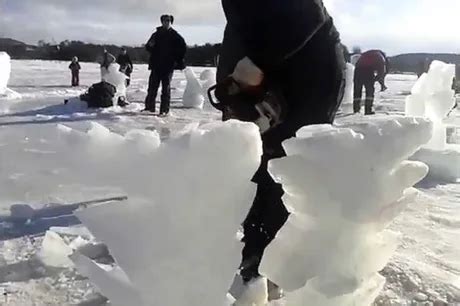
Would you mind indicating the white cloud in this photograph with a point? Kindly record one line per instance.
(400, 26)
(394, 25)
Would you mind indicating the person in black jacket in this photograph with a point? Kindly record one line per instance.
(75, 69)
(167, 51)
(126, 65)
(287, 56)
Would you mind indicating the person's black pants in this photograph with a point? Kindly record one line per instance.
(364, 78)
(154, 83)
(128, 80)
(75, 78)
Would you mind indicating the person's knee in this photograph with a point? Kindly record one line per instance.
(370, 92)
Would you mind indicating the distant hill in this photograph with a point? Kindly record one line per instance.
(15, 48)
(8, 42)
(204, 55)
(411, 62)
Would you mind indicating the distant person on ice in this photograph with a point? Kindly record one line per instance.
(371, 67)
(126, 65)
(167, 51)
(282, 67)
(75, 70)
(107, 59)
(355, 55)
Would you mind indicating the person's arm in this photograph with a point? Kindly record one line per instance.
(181, 46)
(387, 65)
(382, 71)
(181, 49)
(271, 30)
(151, 42)
(111, 58)
(78, 66)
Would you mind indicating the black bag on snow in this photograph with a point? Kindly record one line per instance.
(99, 95)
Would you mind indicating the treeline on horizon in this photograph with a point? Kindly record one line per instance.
(204, 55)
(197, 55)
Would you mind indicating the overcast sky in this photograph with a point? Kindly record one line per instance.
(397, 26)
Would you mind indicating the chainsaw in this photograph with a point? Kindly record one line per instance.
(263, 104)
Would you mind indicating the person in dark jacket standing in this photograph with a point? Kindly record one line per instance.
(126, 65)
(75, 69)
(371, 67)
(167, 51)
(282, 67)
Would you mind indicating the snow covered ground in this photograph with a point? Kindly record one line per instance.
(425, 268)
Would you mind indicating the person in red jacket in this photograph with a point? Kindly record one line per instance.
(371, 67)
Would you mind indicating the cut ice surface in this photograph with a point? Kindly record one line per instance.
(55, 252)
(348, 95)
(112, 281)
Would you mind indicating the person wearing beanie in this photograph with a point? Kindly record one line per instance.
(167, 51)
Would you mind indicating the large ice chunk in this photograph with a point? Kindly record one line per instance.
(348, 95)
(432, 97)
(183, 229)
(5, 70)
(342, 185)
(193, 94)
(208, 79)
(112, 75)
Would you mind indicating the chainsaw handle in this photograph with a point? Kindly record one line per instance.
(215, 104)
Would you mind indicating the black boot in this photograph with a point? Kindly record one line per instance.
(122, 102)
(356, 106)
(369, 111)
